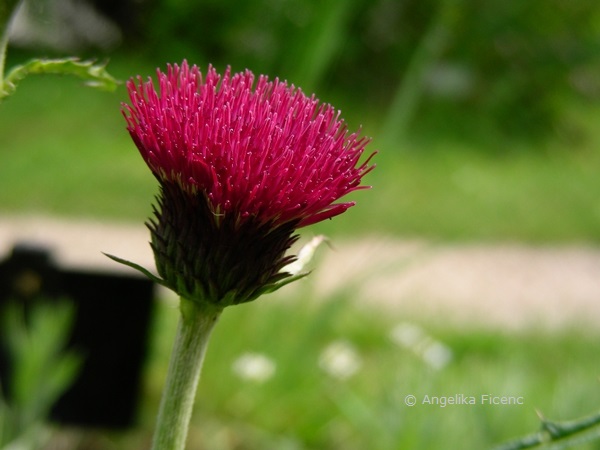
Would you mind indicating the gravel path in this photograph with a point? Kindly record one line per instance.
(504, 285)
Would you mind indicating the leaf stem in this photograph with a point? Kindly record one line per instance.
(195, 326)
(552, 432)
(8, 9)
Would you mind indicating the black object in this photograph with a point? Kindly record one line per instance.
(110, 330)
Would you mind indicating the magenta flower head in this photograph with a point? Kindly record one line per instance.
(242, 163)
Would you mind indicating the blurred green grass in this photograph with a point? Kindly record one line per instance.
(65, 151)
(303, 407)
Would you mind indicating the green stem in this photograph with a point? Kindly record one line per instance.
(7, 10)
(195, 326)
(554, 432)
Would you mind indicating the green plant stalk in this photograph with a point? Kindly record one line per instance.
(195, 326)
(7, 10)
(553, 432)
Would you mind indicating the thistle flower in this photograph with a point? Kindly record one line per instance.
(241, 166)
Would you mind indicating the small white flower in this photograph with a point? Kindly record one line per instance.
(412, 337)
(340, 360)
(407, 334)
(437, 355)
(254, 367)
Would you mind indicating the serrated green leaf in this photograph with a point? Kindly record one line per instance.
(94, 75)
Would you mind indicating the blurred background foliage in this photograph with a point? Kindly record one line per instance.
(485, 113)
(460, 67)
(492, 66)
